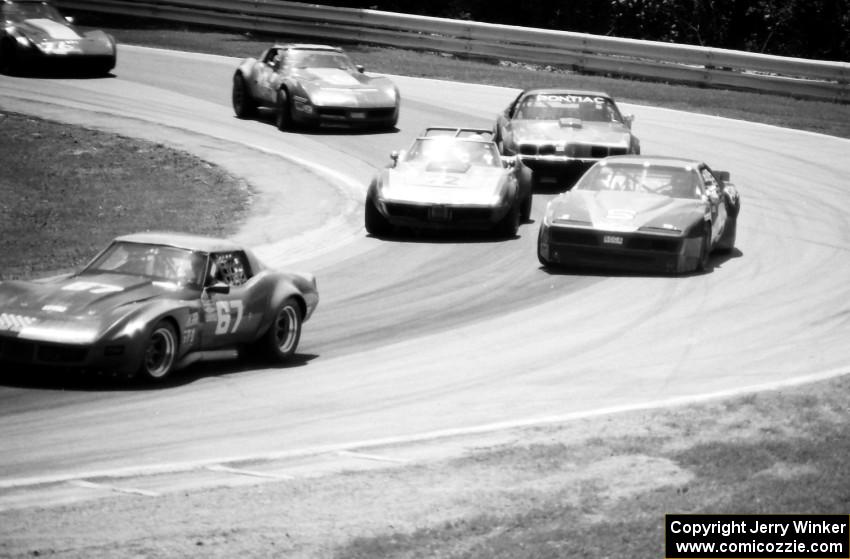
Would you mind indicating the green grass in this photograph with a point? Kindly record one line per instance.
(67, 191)
(815, 116)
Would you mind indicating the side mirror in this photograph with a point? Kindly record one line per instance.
(509, 161)
(218, 287)
(723, 176)
(394, 154)
(629, 120)
(360, 68)
(69, 19)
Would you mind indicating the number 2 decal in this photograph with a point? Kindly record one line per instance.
(225, 316)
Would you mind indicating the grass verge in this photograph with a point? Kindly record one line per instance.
(596, 488)
(67, 191)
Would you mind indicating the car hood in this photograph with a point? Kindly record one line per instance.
(626, 211)
(43, 28)
(335, 87)
(436, 184)
(535, 131)
(74, 298)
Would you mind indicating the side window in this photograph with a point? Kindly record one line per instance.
(230, 267)
(272, 57)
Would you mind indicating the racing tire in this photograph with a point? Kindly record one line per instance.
(733, 206)
(525, 212)
(705, 250)
(283, 118)
(376, 224)
(243, 104)
(282, 337)
(727, 240)
(8, 58)
(509, 225)
(160, 352)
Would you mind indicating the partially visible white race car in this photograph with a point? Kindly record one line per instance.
(449, 178)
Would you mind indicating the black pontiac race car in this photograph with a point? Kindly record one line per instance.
(35, 37)
(559, 133)
(151, 303)
(313, 85)
(661, 214)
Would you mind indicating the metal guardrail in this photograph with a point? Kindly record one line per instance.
(706, 67)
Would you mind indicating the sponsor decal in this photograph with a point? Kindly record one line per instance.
(569, 99)
(54, 308)
(15, 322)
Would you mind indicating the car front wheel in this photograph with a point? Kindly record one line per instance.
(284, 111)
(243, 105)
(160, 352)
(285, 331)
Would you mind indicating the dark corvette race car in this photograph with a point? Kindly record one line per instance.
(648, 213)
(558, 131)
(449, 178)
(34, 35)
(312, 85)
(154, 302)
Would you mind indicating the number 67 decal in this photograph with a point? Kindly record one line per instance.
(225, 311)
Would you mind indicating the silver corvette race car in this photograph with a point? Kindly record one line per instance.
(35, 36)
(557, 132)
(645, 213)
(313, 85)
(449, 178)
(151, 303)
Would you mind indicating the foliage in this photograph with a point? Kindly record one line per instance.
(818, 29)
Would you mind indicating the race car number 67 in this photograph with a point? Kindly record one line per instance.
(225, 315)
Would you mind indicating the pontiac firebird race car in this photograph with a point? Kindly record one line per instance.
(556, 131)
(35, 35)
(448, 178)
(151, 303)
(651, 213)
(312, 85)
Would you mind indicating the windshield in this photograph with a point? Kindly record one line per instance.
(676, 182)
(321, 59)
(20, 11)
(442, 149)
(555, 106)
(157, 262)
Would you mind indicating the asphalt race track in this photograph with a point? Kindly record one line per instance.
(415, 337)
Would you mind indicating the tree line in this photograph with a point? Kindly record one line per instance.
(816, 29)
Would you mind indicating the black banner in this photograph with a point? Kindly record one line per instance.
(758, 536)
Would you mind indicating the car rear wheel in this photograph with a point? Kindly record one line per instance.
(525, 214)
(705, 249)
(285, 331)
(243, 104)
(284, 111)
(160, 352)
(727, 241)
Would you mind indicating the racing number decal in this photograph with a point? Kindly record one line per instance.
(225, 310)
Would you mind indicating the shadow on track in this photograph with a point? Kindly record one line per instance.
(60, 378)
